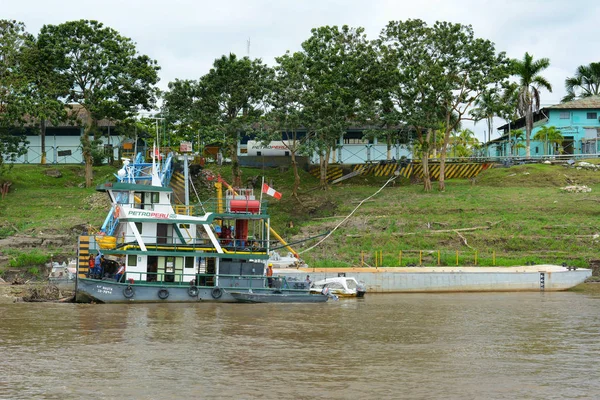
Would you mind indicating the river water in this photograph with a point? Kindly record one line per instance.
(415, 346)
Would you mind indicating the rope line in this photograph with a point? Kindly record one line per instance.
(349, 215)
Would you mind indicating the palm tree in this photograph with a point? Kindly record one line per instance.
(586, 79)
(549, 134)
(516, 141)
(530, 82)
(487, 106)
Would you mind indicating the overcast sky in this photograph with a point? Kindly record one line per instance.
(186, 36)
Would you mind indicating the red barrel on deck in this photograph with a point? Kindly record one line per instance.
(245, 206)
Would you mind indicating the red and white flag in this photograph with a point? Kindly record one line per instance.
(270, 191)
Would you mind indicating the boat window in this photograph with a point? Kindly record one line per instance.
(335, 285)
(351, 283)
(189, 262)
(139, 225)
(132, 260)
(184, 226)
(155, 197)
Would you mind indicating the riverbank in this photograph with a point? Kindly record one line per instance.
(42, 291)
(504, 216)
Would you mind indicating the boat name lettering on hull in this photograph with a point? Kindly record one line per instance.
(104, 289)
(151, 214)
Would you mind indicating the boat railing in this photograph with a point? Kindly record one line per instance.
(250, 245)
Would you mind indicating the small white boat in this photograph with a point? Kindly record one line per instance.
(340, 286)
(287, 261)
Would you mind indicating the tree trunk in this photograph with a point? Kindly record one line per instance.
(528, 129)
(86, 150)
(442, 181)
(235, 166)
(324, 162)
(389, 147)
(296, 175)
(43, 140)
(426, 178)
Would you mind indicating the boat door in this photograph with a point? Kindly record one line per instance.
(162, 233)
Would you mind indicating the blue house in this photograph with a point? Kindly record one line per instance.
(578, 121)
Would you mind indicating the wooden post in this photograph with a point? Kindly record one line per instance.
(400, 259)
(420, 257)
(494, 257)
(439, 259)
(475, 257)
(456, 257)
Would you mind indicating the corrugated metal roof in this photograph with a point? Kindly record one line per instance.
(585, 103)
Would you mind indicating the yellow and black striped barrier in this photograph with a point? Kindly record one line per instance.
(84, 255)
(333, 172)
(453, 170)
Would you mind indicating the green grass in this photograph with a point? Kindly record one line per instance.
(517, 214)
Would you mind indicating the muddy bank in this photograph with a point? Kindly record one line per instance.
(35, 292)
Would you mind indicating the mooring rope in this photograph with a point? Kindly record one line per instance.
(396, 174)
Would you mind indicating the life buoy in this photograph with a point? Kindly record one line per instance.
(116, 213)
(216, 293)
(128, 292)
(163, 294)
(193, 291)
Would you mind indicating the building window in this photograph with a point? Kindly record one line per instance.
(592, 115)
(565, 115)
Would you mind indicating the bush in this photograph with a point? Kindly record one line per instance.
(28, 260)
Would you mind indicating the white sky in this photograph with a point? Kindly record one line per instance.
(186, 36)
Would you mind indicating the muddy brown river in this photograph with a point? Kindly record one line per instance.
(416, 346)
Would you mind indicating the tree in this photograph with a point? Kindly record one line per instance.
(585, 83)
(232, 97)
(338, 62)
(463, 142)
(443, 70)
(286, 103)
(549, 135)
(12, 83)
(108, 78)
(467, 67)
(45, 88)
(530, 82)
(487, 106)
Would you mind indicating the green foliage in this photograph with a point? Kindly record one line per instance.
(105, 74)
(12, 84)
(530, 82)
(585, 83)
(30, 260)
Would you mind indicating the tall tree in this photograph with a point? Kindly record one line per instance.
(12, 83)
(338, 60)
(467, 67)
(487, 106)
(45, 88)
(530, 82)
(286, 103)
(585, 83)
(233, 96)
(108, 78)
(407, 54)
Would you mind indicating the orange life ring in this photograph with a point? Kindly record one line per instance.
(116, 213)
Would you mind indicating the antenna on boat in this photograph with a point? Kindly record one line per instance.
(156, 157)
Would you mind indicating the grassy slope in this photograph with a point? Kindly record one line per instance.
(529, 218)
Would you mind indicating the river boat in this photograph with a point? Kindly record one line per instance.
(178, 253)
(340, 286)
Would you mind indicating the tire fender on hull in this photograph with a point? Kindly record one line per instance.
(128, 292)
(163, 294)
(216, 293)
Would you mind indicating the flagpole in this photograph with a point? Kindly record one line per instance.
(261, 192)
